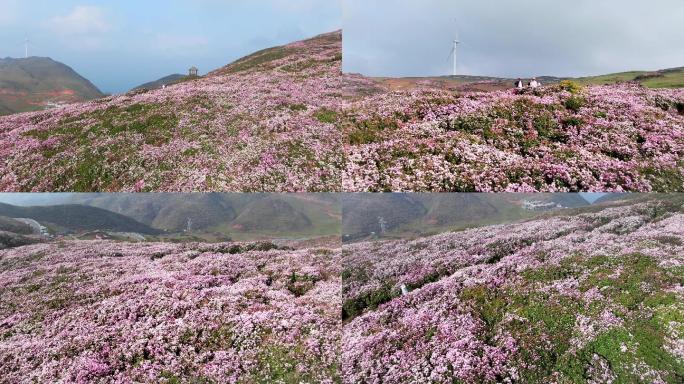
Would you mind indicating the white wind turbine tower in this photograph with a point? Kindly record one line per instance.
(454, 51)
(26, 47)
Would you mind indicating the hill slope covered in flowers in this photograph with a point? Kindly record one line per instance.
(593, 297)
(560, 138)
(100, 311)
(287, 119)
(263, 123)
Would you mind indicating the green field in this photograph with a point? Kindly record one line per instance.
(668, 78)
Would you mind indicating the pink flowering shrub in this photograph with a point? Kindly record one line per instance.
(264, 123)
(602, 138)
(100, 311)
(574, 298)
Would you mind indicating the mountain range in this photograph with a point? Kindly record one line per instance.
(237, 215)
(398, 214)
(229, 212)
(357, 216)
(75, 217)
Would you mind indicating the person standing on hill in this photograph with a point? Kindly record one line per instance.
(534, 83)
(519, 84)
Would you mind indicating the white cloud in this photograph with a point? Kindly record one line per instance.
(82, 28)
(82, 20)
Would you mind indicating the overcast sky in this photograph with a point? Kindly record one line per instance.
(512, 38)
(120, 44)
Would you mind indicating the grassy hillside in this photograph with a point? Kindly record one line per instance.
(362, 212)
(30, 84)
(193, 214)
(12, 240)
(667, 78)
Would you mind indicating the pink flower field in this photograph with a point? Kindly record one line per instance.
(263, 123)
(585, 295)
(592, 297)
(106, 312)
(560, 138)
(287, 119)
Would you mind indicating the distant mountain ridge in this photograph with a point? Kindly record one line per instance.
(366, 214)
(36, 83)
(219, 211)
(664, 78)
(160, 83)
(180, 217)
(74, 217)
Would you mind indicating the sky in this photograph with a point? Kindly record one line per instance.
(121, 44)
(511, 38)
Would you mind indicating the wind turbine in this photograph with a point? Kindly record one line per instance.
(454, 51)
(26, 47)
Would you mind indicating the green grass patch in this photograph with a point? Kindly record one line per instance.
(325, 115)
(299, 66)
(259, 58)
(371, 130)
(367, 300)
(278, 364)
(549, 318)
(297, 107)
(665, 180)
(575, 103)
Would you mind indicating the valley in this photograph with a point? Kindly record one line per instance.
(291, 219)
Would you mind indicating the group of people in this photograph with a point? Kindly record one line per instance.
(531, 84)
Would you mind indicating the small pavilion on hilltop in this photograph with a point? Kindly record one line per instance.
(193, 71)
